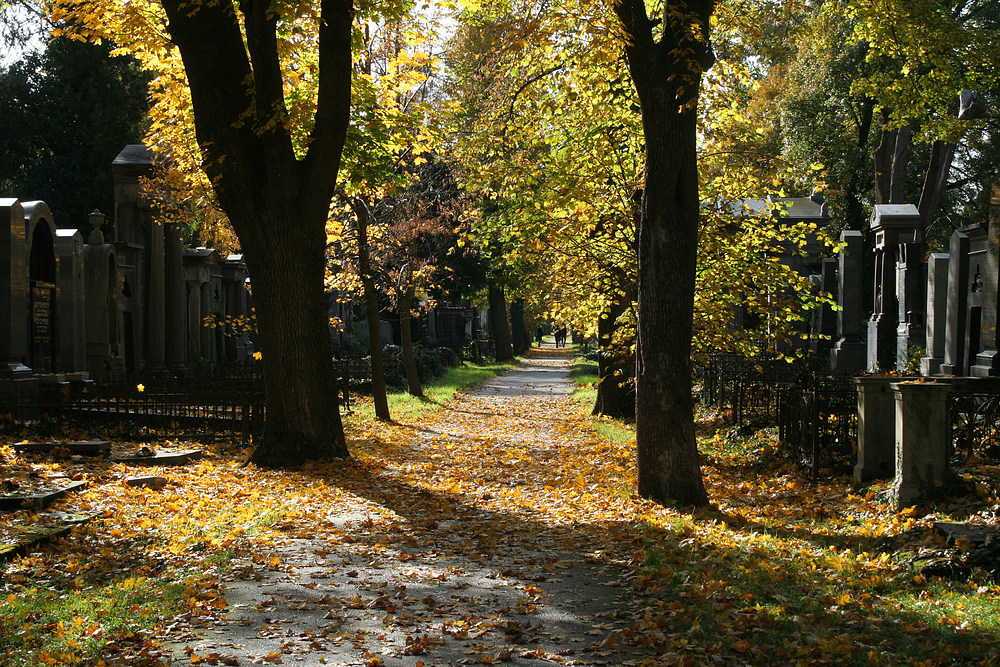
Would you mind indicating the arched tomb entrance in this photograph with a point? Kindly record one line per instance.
(40, 235)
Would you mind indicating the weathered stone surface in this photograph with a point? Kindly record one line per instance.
(82, 447)
(40, 500)
(923, 433)
(154, 482)
(162, 458)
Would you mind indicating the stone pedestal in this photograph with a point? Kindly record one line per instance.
(876, 428)
(923, 431)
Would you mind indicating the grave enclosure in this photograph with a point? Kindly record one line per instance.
(915, 364)
(121, 303)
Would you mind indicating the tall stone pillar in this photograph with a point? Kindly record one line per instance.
(102, 301)
(958, 303)
(848, 354)
(174, 297)
(937, 310)
(13, 291)
(194, 320)
(156, 322)
(206, 332)
(892, 224)
(825, 327)
(71, 348)
(988, 359)
(911, 298)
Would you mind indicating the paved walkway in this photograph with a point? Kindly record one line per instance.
(421, 578)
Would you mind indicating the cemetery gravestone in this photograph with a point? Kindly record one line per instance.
(848, 352)
(13, 292)
(893, 225)
(958, 295)
(987, 361)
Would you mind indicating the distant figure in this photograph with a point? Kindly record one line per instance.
(538, 336)
(561, 337)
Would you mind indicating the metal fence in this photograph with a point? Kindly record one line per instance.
(816, 412)
(199, 404)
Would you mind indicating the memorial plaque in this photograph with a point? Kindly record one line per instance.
(41, 326)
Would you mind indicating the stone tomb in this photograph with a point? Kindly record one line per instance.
(895, 227)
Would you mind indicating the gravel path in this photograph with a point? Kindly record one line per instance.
(445, 582)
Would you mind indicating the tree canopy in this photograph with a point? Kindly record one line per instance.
(606, 154)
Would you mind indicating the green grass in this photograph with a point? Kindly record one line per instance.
(437, 392)
(585, 377)
(43, 626)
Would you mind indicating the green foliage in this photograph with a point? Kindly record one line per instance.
(68, 111)
(437, 392)
(431, 363)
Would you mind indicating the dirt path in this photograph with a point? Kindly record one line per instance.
(457, 551)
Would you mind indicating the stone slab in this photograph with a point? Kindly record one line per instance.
(41, 500)
(973, 532)
(162, 458)
(154, 482)
(82, 447)
(32, 536)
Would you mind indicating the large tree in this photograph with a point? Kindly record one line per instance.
(667, 55)
(276, 200)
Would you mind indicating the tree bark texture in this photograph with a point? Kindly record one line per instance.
(900, 164)
(406, 340)
(667, 72)
(498, 322)
(883, 166)
(379, 397)
(935, 183)
(277, 203)
(615, 368)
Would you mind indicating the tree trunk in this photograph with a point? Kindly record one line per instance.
(520, 338)
(853, 208)
(935, 182)
(277, 203)
(406, 340)
(303, 417)
(379, 397)
(883, 162)
(900, 164)
(615, 368)
(498, 322)
(667, 74)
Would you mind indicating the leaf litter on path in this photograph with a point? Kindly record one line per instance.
(469, 537)
(496, 530)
